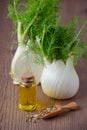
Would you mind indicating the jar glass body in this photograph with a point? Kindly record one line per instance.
(27, 97)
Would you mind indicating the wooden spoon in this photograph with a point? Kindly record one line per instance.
(61, 109)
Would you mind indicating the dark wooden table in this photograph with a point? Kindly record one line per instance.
(11, 118)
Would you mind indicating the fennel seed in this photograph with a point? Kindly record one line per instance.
(40, 115)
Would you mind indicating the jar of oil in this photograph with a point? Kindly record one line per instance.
(27, 93)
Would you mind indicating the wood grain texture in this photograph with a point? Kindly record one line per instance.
(11, 118)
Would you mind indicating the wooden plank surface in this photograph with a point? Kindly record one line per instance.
(11, 118)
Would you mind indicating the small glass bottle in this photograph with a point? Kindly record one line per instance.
(27, 93)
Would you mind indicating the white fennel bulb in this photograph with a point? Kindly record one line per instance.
(60, 80)
(24, 61)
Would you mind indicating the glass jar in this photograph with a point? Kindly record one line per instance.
(27, 93)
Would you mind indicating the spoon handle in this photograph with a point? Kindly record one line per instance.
(70, 106)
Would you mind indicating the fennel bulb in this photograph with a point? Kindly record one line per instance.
(60, 80)
(39, 23)
(24, 61)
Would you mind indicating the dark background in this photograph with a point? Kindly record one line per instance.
(11, 118)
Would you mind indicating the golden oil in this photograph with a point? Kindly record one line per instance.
(27, 93)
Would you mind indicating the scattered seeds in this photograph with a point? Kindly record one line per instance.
(40, 114)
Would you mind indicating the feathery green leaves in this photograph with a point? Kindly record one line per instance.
(40, 24)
